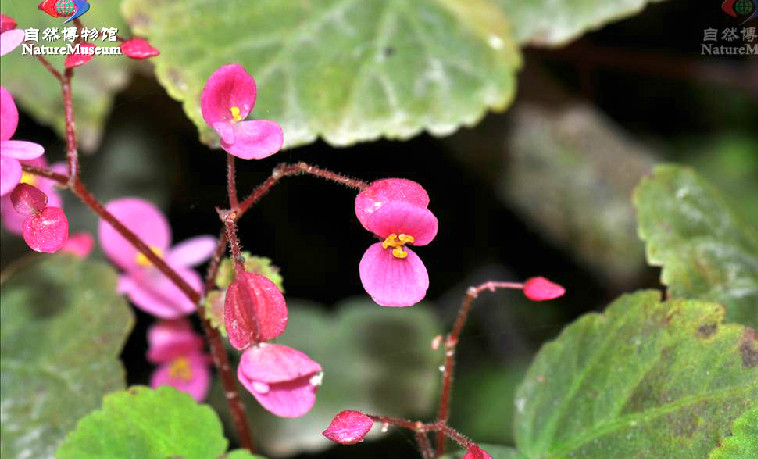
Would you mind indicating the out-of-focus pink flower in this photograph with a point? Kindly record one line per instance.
(12, 220)
(79, 244)
(254, 310)
(85, 54)
(349, 427)
(12, 151)
(282, 379)
(10, 36)
(146, 287)
(45, 229)
(178, 351)
(541, 289)
(395, 211)
(228, 97)
(475, 452)
(138, 49)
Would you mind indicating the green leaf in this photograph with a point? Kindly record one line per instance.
(374, 359)
(345, 70)
(551, 22)
(63, 326)
(94, 84)
(644, 379)
(743, 443)
(142, 423)
(705, 250)
(241, 454)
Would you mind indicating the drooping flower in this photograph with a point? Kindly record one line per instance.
(10, 36)
(475, 452)
(395, 211)
(79, 244)
(12, 151)
(84, 55)
(228, 98)
(147, 287)
(138, 49)
(178, 351)
(282, 379)
(45, 228)
(541, 289)
(254, 310)
(348, 427)
(12, 220)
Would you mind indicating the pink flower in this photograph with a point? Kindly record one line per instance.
(11, 151)
(138, 49)
(12, 220)
(85, 54)
(178, 351)
(45, 228)
(282, 379)
(395, 210)
(541, 289)
(475, 452)
(228, 97)
(10, 36)
(349, 427)
(146, 287)
(254, 310)
(79, 244)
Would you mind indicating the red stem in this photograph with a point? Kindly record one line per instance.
(231, 183)
(415, 426)
(72, 155)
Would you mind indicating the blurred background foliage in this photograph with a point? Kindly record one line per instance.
(541, 189)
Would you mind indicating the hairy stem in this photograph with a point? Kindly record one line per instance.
(231, 183)
(415, 426)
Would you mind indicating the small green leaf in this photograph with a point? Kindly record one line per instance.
(240, 454)
(94, 84)
(705, 250)
(743, 443)
(253, 264)
(644, 379)
(142, 423)
(63, 327)
(345, 70)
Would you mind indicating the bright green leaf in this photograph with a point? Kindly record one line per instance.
(345, 70)
(644, 379)
(705, 250)
(743, 443)
(63, 326)
(240, 454)
(142, 423)
(94, 84)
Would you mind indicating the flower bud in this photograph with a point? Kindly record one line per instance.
(254, 310)
(46, 231)
(28, 200)
(541, 289)
(138, 49)
(80, 58)
(349, 427)
(475, 452)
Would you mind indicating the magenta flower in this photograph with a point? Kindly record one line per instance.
(348, 427)
(395, 211)
(475, 452)
(228, 97)
(178, 351)
(138, 49)
(45, 228)
(14, 221)
(10, 36)
(254, 310)
(12, 151)
(146, 287)
(282, 379)
(541, 289)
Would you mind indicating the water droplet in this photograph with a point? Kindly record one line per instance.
(436, 341)
(317, 379)
(385, 427)
(441, 368)
(495, 41)
(261, 388)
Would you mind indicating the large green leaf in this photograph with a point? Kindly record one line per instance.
(644, 379)
(743, 443)
(375, 359)
(94, 84)
(346, 70)
(705, 250)
(554, 22)
(142, 423)
(63, 326)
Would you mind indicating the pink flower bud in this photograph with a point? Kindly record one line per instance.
(349, 427)
(6, 23)
(80, 244)
(138, 48)
(475, 452)
(254, 310)
(28, 200)
(47, 230)
(541, 289)
(80, 58)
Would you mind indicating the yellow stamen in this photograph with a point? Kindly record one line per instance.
(29, 179)
(397, 243)
(180, 370)
(142, 260)
(236, 115)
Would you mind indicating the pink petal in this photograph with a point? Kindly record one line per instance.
(28, 200)
(10, 40)
(541, 289)
(255, 139)
(8, 115)
(193, 251)
(225, 130)
(11, 220)
(79, 244)
(138, 48)
(10, 174)
(20, 149)
(397, 217)
(475, 452)
(392, 281)
(254, 310)
(46, 231)
(383, 191)
(229, 86)
(196, 382)
(6, 23)
(349, 427)
(144, 219)
(80, 58)
(155, 294)
(169, 339)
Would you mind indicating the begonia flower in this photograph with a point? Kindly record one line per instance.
(475, 452)
(395, 211)
(79, 244)
(80, 58)
(348, 427)
(12, 151)
(12, 220)
(10, 36)
(541, 289)
(145, 286)
(254, 310)
(228, 98)
(178, 351)
(138, 49)
(45, 228)
(283, 380)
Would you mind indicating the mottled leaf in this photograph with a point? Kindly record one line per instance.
(63, 326)
(743, 443)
